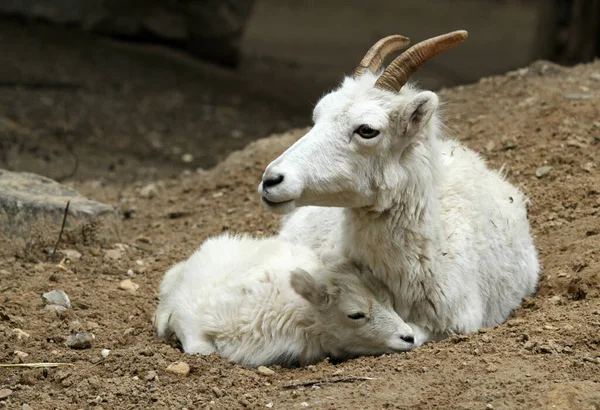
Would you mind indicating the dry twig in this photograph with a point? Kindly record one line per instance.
(62, 228)
(35, 364)
(328, 381)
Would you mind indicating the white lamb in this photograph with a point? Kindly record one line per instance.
(253, 301)
(375, 180)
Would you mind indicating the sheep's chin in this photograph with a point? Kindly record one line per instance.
(281, 208)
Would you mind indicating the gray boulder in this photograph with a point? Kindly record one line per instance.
(32, 209)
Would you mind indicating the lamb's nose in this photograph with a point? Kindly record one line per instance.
(408, 338)
(272, 180)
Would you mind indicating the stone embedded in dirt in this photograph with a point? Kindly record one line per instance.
(26, 407)
(80, 341)
(578, 96)
(187, 158)
(57, 297)
(149, 191)
(542, 171)
(151, 376)
(588, 167)
(20, 334)
(71, 254)
(265, 371)
(32, 208)
(129, 286)
(491, 368)
(56, 309)
(104, 353)
(218, 392)
(4, 393)
(20, 354)
(179, 368)
(113, 255)
(509, 144)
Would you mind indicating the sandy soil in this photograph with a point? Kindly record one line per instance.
(546, 356)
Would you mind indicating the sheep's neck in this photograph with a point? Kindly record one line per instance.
(400, 244)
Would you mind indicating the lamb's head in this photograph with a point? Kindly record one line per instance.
(361, 132)
(354, 315)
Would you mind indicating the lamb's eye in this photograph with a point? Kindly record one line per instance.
(366, 132)
(356, 316)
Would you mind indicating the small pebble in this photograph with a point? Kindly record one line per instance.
(179, 368)
(304, 404)
(265, 371)
(26, 407)
(58, 310)
(269, 405)
(129, 286)
(542, 171)
(20, 334)
(187, 158)
(4, 393)
(80, 341)
(491, 368)
(151, 375)
(20, 354)
(112, 254)
(489, 406)
(578, 96)
(105, 353)
(217, 391)
(58, 298)
(130, 273)
(71, 254)
(149, 191)
(509, 144)
(315, 387)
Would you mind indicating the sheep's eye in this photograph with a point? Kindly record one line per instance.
(366, 132)
(356, 316)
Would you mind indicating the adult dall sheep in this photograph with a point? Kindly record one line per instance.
(253, 301)
(375, 179)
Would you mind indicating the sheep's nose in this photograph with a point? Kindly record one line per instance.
(272, 180)
(408, 338)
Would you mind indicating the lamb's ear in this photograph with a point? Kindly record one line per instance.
(306, 286)
(417, 113)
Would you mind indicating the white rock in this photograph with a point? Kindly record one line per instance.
(57, 297)
(129, 286)
(105, 353)
(71, 254)
(149, 191)
(179, 368)
(113, 254)
(265, 371)
(20, 334)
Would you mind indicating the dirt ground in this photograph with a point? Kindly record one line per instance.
(546, 356)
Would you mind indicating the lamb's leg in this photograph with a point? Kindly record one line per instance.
(196, 344)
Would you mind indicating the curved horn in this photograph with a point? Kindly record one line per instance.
(373, 60)
(399, 71)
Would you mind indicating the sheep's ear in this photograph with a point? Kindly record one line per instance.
(306, 286)
(417, 113)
